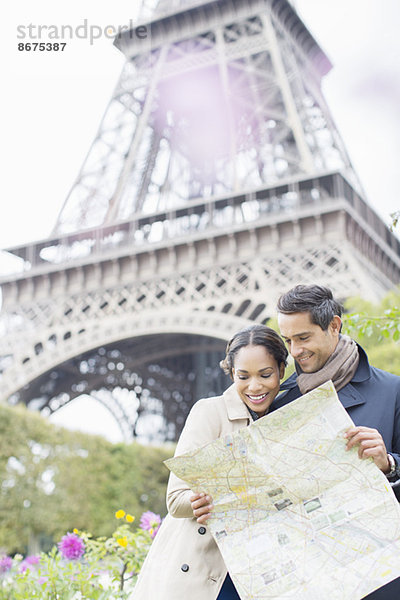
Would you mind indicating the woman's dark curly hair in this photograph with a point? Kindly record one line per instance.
(254, 335)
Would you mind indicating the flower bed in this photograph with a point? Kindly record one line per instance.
(82, 567)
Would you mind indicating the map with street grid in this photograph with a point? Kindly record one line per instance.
(295, 514)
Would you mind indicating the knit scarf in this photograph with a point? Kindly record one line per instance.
(340, 367)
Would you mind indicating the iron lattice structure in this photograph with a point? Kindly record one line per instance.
(216, 181)
(207, 111)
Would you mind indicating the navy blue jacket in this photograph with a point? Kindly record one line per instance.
(372, 399)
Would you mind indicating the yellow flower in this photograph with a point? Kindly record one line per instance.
(120, 514)
(130, 519)
(123, 541)
(75, 531)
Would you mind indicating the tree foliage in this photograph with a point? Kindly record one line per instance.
(54, 480)
(395, 216)
(377, 328)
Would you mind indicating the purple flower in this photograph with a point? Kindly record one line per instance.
(28, 562)
(150, 522)
(5, 564)
(42, 580)
(71, 546)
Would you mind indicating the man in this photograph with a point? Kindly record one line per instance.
(309, 320)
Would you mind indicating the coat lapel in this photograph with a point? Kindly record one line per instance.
(349, 396)
(235, 407)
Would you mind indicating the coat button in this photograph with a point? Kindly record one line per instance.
(202, 530)
(185, 568)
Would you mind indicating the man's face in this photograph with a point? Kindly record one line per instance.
(308, 343)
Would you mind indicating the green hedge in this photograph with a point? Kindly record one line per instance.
(53, 480)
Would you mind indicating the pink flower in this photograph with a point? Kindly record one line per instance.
(29, 561)
(71, 546)
(42, 580)
(150, 522)
(5, 564)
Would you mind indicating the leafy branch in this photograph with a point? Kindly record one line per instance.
(386, 325)
(395, 216)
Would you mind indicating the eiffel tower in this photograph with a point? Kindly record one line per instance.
(217, 180)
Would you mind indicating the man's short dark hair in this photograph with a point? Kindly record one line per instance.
(314, 299)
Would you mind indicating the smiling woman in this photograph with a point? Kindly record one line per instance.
(192, 564)
(256, 360)
(257, 376)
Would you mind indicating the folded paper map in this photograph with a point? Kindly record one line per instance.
(295, 514)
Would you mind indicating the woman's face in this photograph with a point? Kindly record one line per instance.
(257, 376)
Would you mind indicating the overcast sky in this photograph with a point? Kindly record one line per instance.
(52, 102)
(55, 100)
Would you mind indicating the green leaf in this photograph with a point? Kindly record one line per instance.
(369, 330)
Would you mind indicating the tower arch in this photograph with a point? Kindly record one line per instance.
(147, 370)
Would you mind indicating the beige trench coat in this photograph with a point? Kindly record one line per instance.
(184, 561)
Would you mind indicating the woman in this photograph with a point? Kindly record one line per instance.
(184, 561)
